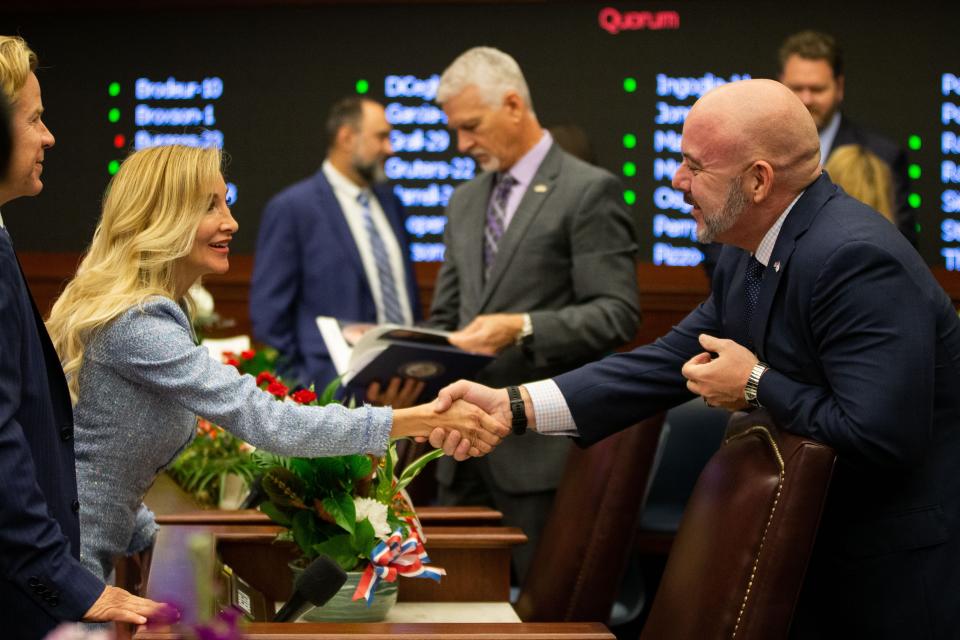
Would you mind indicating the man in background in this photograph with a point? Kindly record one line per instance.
(539, 271)
(41, 579)
(334, 244)
(811, 65)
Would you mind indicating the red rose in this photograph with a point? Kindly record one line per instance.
(233, 362)
(278, 389)
(265, 376)
(303, 396)
(249, 353)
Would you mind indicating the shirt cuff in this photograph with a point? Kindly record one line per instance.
(550, 411)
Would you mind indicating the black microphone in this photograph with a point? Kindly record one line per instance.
(314, 587)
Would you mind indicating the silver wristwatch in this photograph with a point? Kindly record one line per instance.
(753, 382)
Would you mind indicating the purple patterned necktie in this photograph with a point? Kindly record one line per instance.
(752, 277)
(496, 221)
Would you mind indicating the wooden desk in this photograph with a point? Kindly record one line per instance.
(433, 631)
(477, 560)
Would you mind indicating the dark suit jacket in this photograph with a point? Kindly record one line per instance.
(864, 349)
(41, 580)
(568, 258)
(895, 157)
(307, 265)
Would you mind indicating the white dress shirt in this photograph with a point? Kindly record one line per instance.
(346, 192)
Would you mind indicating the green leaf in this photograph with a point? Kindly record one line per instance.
(415, 468)
(364, 539)
(341, 549)
(358, 466)
(283, 488)
(342, 509)
(276, 514)
(304, 529)
(329, 392)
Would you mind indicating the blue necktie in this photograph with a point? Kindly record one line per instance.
(388, 286)
(752, 277)
(496, 221)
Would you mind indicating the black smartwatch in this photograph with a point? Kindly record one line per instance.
(517, 411)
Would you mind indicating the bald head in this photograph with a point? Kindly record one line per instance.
(760, 120)
(749, 148)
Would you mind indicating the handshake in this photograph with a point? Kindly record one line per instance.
(466, 420)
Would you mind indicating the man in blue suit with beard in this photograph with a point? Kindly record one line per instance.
(824, 314)
(41, 579)
(334, 244)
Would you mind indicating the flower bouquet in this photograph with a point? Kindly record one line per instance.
(355, 511)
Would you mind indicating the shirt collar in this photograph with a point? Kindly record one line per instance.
(1, 221)
(340, 182)
(765, 248)
(526, 167)
(828, 135)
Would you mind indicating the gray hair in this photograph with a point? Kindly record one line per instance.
(492, 71)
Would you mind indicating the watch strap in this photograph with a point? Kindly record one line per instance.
(518, 411)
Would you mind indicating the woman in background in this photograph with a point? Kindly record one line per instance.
(864, 176)
(138, 379)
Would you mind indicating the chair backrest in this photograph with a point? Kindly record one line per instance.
(737, 563)
(583, 552)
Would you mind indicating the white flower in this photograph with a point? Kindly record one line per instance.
(376, 513)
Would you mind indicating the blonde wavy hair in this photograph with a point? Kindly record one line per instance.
(864, 176)
(17, 61)
(151, 211)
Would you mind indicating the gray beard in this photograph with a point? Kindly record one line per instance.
(728, 215)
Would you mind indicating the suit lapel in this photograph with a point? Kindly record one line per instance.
(339, 230)
(795, 225)
(537, 192)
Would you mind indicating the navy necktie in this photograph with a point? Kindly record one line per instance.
(496, 221)
(752, 277)
(388, 286)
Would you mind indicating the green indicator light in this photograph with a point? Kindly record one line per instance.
(114, 89)
(629, 169)
(629, 85)
(914, 143)
(917, 227)
(914, 171)
(113, 167)
(363, 86)
(914, 200)
(629, 196)
(114, 115)
(629, 141)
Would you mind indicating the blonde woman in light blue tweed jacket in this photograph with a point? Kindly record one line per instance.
(138, 380)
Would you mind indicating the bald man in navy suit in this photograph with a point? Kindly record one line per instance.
(825, 315)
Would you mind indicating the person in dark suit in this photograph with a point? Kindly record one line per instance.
(555, 288)
(811, 65)
(41, 579)
(824, 314)
(316, 256)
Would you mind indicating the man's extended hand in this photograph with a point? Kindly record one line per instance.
(398, 394)
(117, 605)
(494, 401)
(489, 334)
(720, 380)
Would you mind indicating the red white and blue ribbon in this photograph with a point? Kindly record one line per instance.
(394, 557)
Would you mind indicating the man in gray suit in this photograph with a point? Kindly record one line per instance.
(539, 271)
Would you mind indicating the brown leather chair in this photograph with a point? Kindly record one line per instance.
(583, 552)
(738, 561)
